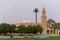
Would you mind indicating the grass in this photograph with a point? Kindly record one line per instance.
(49, 38)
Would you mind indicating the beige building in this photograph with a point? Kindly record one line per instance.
(44, 20)
(46, 24)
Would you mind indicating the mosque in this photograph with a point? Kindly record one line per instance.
(46, 24)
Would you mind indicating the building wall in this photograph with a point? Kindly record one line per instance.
(44, 21)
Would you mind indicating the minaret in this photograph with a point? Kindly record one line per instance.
(44, 21)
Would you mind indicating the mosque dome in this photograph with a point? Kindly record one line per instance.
(26, 21)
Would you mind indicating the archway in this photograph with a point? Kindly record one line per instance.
(47, 31)
(59, 33)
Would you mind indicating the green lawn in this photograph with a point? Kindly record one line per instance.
(49, 38)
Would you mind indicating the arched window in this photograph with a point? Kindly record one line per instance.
(47, 31)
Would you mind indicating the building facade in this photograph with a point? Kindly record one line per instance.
(46, 24)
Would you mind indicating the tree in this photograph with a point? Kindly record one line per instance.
(0, 30)
(12, 29)
(36, 10)
(37, 28)
(21, 29)
(56, 26)
(5, 28)
(29, 29)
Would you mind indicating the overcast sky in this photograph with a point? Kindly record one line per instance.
(15, 11)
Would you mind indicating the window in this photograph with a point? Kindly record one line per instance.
(47, 31)
(51, 31)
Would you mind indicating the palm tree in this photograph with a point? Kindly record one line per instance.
(36, 10)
